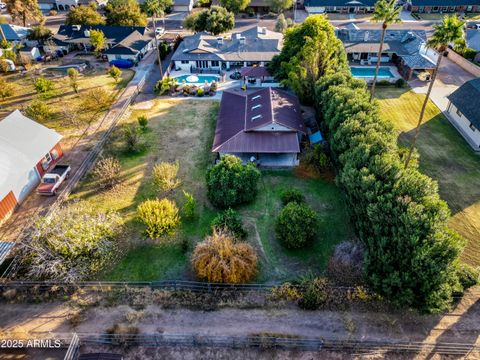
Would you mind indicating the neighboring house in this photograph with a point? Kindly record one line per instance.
(443, 6)
(13, 33)
(27, 150)
(30, 52)
(183, 5)
(66, 5)
(123, 42)
(253, 47)
(464, 113)
(265, 126)
(258, 6)
(340, 6)
(405, 48)
(472, 38)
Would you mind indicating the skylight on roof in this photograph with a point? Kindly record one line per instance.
(256, 97)
(256, 106)
(256, 117)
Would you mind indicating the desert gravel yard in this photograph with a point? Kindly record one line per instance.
(445, 156)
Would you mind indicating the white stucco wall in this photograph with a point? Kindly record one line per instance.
(464, 124)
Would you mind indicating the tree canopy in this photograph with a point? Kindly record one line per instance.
(278, 6)
(125, 13)
(84, 15)
(24, 10)
(235, 6)
(310, 50)
(39, 32)
(215, 20)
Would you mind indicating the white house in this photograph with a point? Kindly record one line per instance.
(463, 111)
(27, 150)
(255, 46)
(183, 5)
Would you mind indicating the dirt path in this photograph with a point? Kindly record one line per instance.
(462, 325)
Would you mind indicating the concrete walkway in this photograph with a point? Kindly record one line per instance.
(450, 77)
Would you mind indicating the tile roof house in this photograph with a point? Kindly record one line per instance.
(254, 46)
(123, 42)
(463, 111)
(443, 6)
(406, 48)
(472, 38)
(340, 6)
(263, 125)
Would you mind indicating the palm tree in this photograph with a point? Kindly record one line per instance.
(155, 8)
(388, 13)
(448, 32)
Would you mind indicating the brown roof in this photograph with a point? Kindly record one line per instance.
(255, 71)
(245, 117)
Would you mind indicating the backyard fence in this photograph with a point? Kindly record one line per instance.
(266, 341)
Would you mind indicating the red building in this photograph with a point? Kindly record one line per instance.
(27, 150)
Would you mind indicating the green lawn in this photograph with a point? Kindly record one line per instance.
(183, 130)
(445, 156)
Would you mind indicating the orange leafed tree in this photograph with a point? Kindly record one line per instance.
(220, 259)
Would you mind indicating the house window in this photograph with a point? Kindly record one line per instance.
(435, 8)
(185, 62)
(48, 158)
(445, 8)
(472, 127)
(215, 63)
(459, 113)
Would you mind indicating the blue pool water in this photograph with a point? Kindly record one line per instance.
(369, 72)
(196, 79)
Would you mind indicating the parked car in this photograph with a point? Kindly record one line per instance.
(236, 75)
(52, 180)
(3, 6)
(159, 31)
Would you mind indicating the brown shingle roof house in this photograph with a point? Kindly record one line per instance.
(264, 125)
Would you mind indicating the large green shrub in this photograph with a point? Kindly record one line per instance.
(160, 216)
(231, 183)
(231, 221)
(296, 226)
(292, 195)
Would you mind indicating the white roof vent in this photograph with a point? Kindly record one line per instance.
(87, 33)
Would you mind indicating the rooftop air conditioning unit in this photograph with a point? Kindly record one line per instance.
(220, 40)
(242, 40)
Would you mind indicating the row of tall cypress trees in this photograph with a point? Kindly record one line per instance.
(412, 255)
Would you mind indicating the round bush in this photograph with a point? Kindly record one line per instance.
(160, 216)
(292, 195)
(220, 259)
(468, 275)
(231, 183)
(230, 220)
(296, 226)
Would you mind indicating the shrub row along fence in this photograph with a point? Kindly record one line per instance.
(285, 342)
(194, 286)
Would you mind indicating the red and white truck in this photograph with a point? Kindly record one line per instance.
(52, 180)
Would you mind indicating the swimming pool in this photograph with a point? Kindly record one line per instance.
(369, 72)
(196, 79)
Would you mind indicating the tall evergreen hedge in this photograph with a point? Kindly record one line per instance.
(411, 253)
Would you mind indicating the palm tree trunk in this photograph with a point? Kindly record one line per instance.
(424, 106)
(156, 45)
(379, 57)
